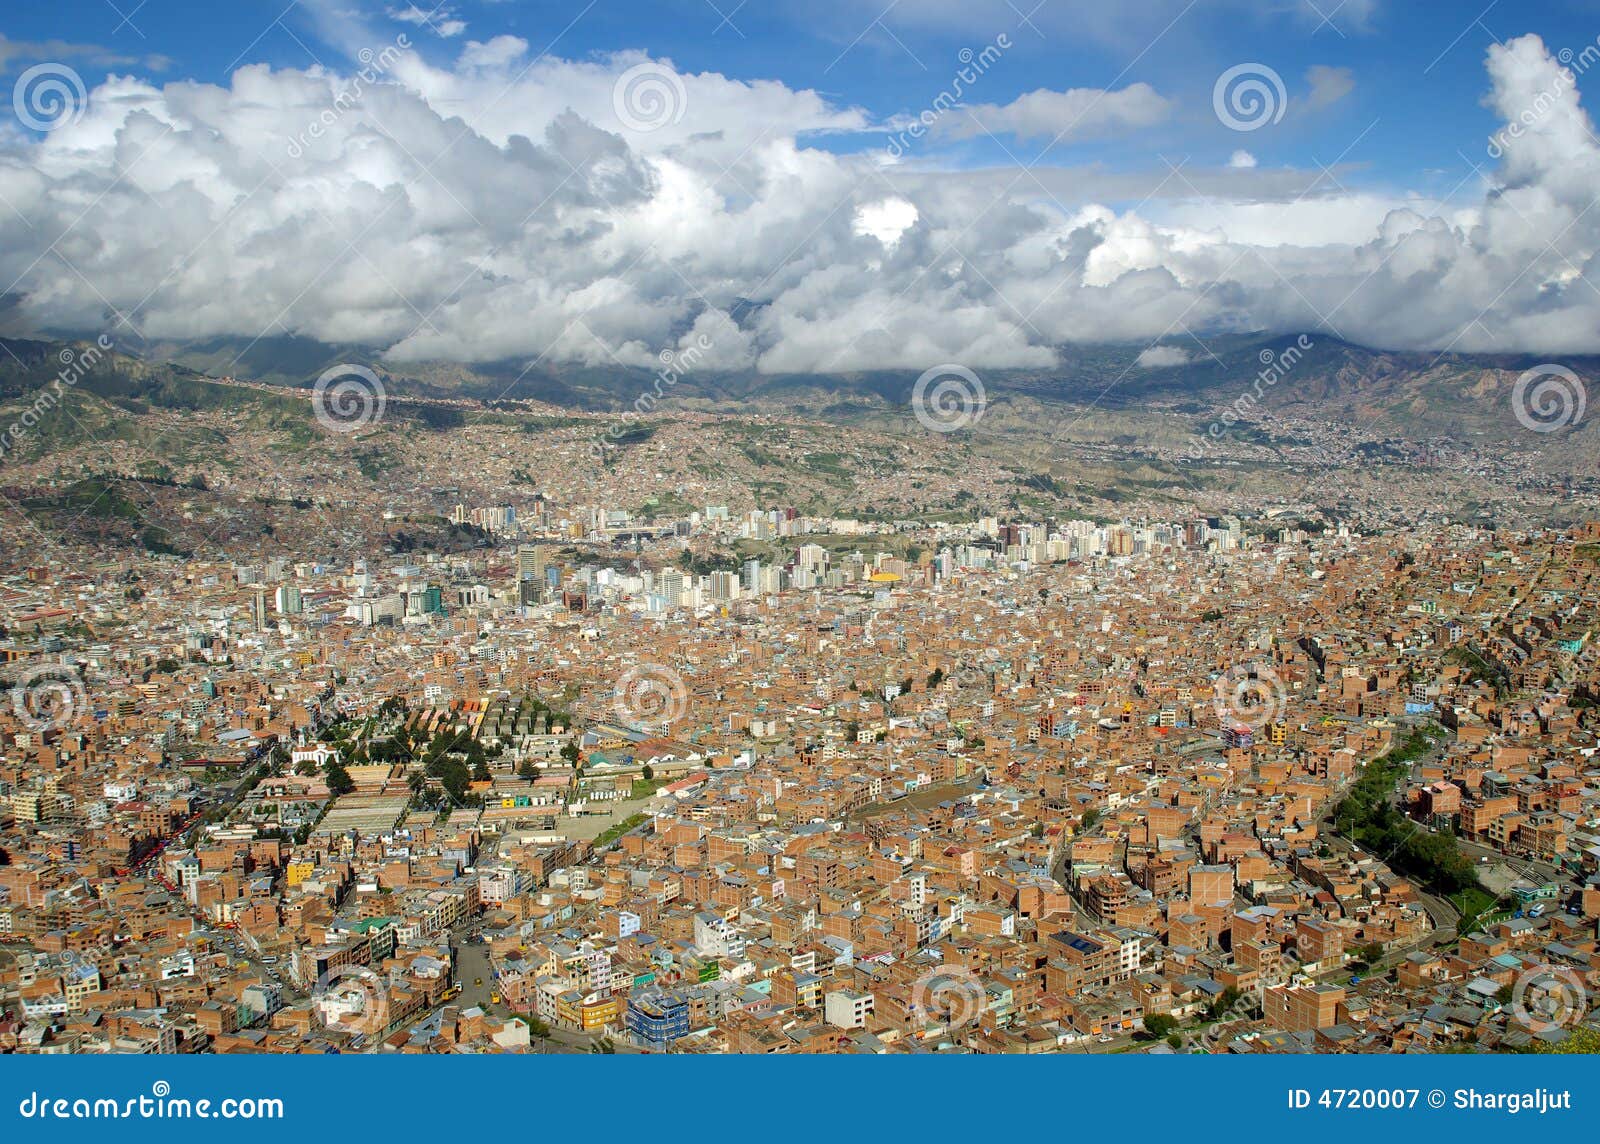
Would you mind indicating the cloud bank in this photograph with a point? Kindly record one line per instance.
(508, 206)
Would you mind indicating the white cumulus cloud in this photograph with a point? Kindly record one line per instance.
(1162, 357)
(499, 206)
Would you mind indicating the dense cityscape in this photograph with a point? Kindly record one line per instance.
(1000, 536)
(1032, 786)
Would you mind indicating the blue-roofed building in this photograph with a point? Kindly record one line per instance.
(657, 1017)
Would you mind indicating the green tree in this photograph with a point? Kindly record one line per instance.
(1160, 1024)
(1583, 1039)
(1230, 997)
(339, 780)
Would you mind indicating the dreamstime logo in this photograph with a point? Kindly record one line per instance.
(950, 994)
(1250, 694)
(948, 398)
(1547, 398)
(48, 696)
(352, 999)
(347, 398)
(1548, 997)
(48, 96)
(648, 97)
(650, 695)
(1247, 97)
(158, 1104)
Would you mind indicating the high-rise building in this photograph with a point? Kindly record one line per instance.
(812, 558)
(530, 562)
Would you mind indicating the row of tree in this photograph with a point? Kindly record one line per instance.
(1369, 817)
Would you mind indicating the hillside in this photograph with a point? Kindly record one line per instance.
(1341, 432)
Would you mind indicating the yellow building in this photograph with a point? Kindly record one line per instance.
(590, 1012)
(600, 1010)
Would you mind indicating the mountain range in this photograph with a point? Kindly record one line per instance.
(1240, 422)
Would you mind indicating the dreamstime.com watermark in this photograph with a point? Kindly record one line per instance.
(973, 66)
(1573, 65)
(674, 368)
(157, 1104)
(935, 717)
(374, 66)
(1275, 366)
(1212, 1035)
(75, 365)
(650, 695)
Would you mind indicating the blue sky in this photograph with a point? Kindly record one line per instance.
(804, 191)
